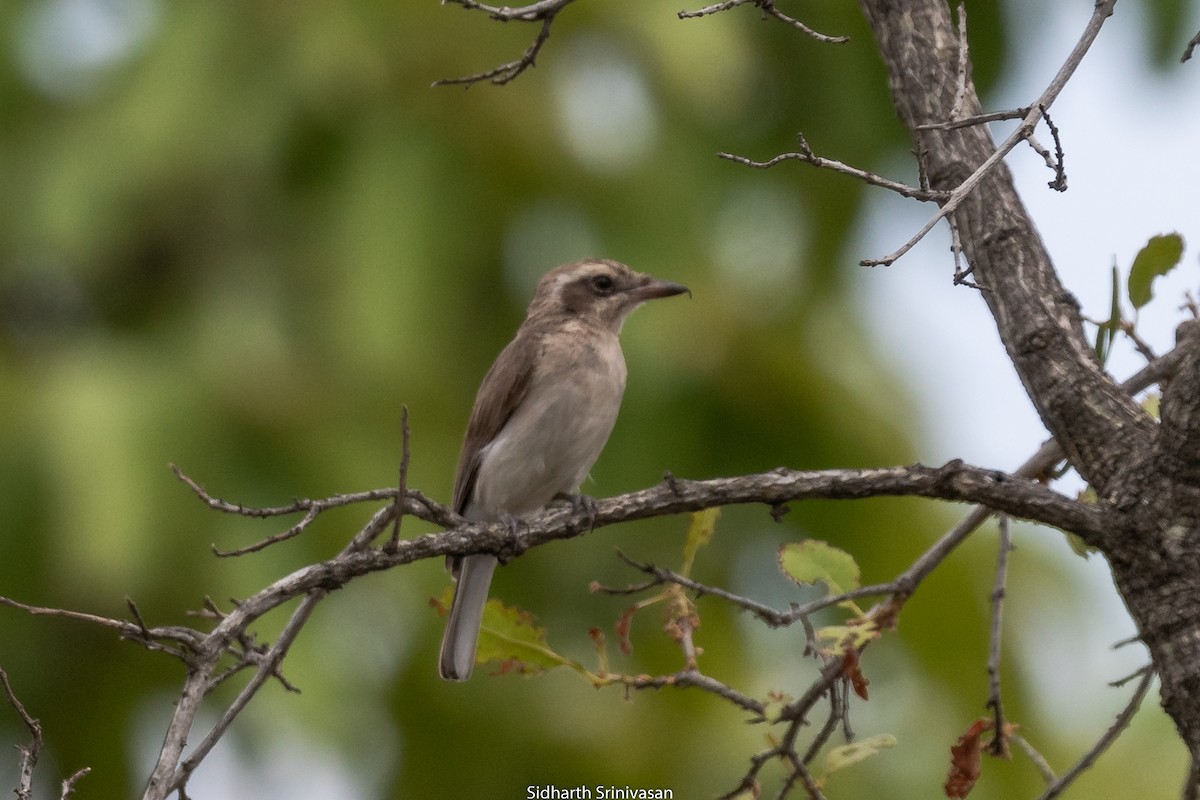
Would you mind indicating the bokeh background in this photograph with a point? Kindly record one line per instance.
(239, 237)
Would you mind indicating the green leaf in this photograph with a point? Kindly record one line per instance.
(700, 532)
(508, 636)
(850, 754)
(810, 561)
(1160, 255)
(1107, 331)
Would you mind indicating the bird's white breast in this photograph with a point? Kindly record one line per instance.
(556, 434)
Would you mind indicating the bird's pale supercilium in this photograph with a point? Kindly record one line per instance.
(541, 417)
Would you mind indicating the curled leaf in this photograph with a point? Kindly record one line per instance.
(965, 760)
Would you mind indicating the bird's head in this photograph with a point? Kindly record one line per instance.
(598, 289)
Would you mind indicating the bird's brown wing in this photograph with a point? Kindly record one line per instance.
(500, 394)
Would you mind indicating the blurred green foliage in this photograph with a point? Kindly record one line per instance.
(238, 237)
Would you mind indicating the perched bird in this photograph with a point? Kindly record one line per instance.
(541, 418)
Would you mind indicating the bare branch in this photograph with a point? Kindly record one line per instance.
(68, 784)
(29, 752)
(977, 119)
(806, 155)
(415, 504)
(185, 638)
(1031, 752)
(1059, 184)
(962, 277)
(769, 10)
(543, 11)
(268, 668)
(999, 744)
(1102, 11)
(694, 679)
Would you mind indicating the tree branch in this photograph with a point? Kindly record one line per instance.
(769, 10)
(1098, 425)
(542, 11)
(806, 155)
(1033, 114)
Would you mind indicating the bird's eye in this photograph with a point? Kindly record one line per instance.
(602, 284)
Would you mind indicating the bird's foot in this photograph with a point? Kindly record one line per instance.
(581, 504)
(514, 547)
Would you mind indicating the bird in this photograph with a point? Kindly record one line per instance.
(542, 414)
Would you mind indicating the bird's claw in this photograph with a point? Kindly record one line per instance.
(582, 504)
(514, 547)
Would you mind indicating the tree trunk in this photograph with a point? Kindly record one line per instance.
(1147, 475)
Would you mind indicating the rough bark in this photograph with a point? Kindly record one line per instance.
(1148, 475)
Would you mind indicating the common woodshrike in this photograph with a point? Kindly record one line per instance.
(541, 418)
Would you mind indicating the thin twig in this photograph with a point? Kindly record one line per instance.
(1141, 345)
(961, 275)
(691, 678)
(310, 516)
(768, 9)
(405, 454)
(806, 155)
(1059, 184)
(1119, 724)
(29, 752)
(977, 119)
(1031, 752)
(831, 723)
(415, 504)
(999, 743)
(1190, 49)
(545, 11)
(68, 784)
(186, 638)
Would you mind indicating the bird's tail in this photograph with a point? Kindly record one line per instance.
(466, 615)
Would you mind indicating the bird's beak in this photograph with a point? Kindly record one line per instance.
(653, 289)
